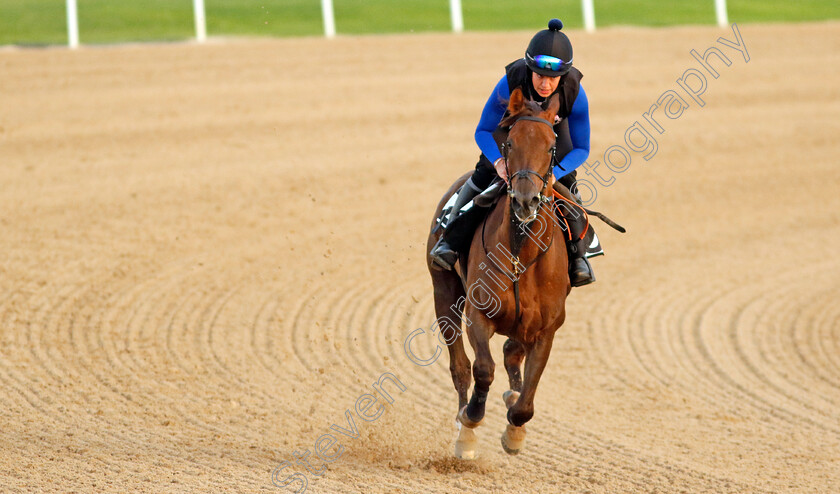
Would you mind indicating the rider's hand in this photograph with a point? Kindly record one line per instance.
(501, 169)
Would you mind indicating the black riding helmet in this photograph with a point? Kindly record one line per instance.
(550, 51)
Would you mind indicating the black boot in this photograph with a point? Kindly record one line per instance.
(580, 271)
(443, 254)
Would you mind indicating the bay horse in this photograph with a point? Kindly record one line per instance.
(515, 281)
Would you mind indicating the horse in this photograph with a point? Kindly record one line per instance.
(516, 287)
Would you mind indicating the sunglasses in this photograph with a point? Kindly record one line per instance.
(549, 63)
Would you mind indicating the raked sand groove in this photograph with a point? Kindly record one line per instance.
(208, 253)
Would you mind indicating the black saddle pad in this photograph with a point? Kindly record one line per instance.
(593, 244)
(483, 201)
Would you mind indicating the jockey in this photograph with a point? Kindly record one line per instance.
(545, 70)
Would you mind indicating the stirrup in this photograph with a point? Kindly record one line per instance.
(443, 255)
(576, 278)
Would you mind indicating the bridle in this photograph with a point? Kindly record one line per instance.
(526, 173)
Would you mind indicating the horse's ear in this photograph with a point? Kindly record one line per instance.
(517, 101)
(553, 106)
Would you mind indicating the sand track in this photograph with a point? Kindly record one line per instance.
(210, 252)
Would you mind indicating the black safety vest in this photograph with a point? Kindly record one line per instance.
(519, 76)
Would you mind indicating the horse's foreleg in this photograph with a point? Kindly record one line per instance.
(521, 407)
(514, 437)
(537, 358)
(514, 354)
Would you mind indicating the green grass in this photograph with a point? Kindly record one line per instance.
(32, 21)
(365, 16)
(100, 21)
(263, 17)
(489, 15)
(104, 21)
(778, 11)
(108, 21)
(645, 13)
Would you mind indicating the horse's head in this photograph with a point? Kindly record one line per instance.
(528, 151)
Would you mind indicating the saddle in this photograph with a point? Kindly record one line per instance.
(476, 210)
(483, 201)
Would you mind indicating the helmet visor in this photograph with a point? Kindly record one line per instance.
(548, 62)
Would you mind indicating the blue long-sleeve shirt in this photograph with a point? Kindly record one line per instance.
(495, 109)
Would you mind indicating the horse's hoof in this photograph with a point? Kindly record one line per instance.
(465, 420)
(513, 439)
(510, 396)
(466, 444)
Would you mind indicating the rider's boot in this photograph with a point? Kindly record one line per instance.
(580, 271)
(443, 254)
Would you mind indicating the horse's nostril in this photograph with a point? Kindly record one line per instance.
(534, 201)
